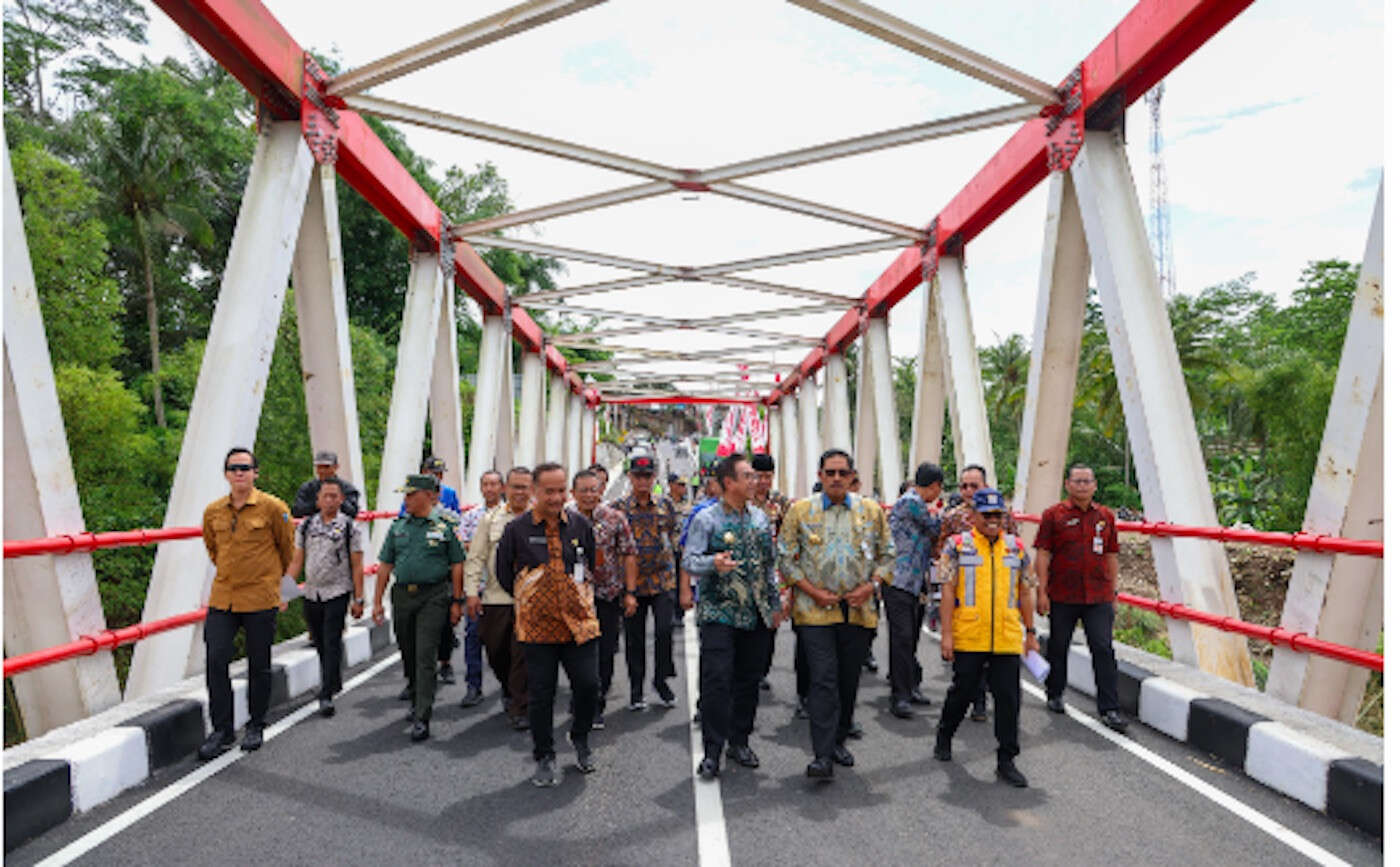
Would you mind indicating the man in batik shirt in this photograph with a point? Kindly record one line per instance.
(654, 529)
(614, 571)
(729, 550)
(773, 505)
(835, 549)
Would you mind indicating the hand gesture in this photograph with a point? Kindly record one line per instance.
(1032, 642)
(825, 598)
(378, 613)
(454, 613)
(1042, 603)
(473, 607)
(859, 595)
(947, 646)
(725, 563)
(357, 610)
(629, 605)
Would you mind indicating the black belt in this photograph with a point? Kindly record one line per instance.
(411, 589)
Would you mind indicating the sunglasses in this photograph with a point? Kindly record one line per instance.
(993, 516)
(832, 474)
(239, 468)
(965, 485)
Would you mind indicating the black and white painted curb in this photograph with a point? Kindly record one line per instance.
(1240, 731)
(75, 768)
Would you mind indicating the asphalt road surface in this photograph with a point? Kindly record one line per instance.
(353, 789)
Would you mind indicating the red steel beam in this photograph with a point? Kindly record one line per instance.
(244, 37)
(1273, 539)
(1151, 40)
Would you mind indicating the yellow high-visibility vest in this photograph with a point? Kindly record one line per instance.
(987, 597)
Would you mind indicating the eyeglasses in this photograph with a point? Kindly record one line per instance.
(831, 474)
(239, 468)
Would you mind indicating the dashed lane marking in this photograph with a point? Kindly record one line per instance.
(711, 836)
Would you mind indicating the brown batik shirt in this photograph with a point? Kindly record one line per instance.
(542, 562)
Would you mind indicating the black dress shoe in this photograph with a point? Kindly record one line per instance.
(325, 707)
(252, 738)
(901, 709)
(215, 744)
(857, 731)
(1055, 704)
(406, 694)
(943, 749)
(979, 714)
(472, 697)
(843, 757)
(917, 696)
(1007, 771)
(583, 759)
(870, 664)
(742, 754)
(420, 731)
(1114, 720)
(764, 685)
(708, 769)
(821, 769)
(410, 717)
(519, 723)
(801, 711)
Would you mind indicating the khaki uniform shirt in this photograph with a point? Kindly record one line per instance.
(251, 547)
(480, 576)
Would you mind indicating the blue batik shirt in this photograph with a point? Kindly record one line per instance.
(745, 597)
(915, 531)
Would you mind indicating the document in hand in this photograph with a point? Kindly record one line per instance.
(1036, 665)
(290, 590)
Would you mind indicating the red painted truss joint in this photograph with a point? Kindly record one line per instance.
(320, 122)
(929, 249)
(691, 186)
(1064, 123)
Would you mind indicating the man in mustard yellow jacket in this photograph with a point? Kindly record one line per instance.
(987, 623)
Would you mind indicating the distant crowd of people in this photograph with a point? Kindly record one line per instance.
(542, 574)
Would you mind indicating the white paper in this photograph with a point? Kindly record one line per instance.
(1036, 665)
(578, 571)
(290, 590)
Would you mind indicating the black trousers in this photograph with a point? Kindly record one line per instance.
(1002, 672)
(799, 666)
(731, 665)
(835, 655)
(325, 622)
(768, 654)
(219, 629)
(635, 628)
(1098, 631)
(542, 662)
(905, 616)
(610, 629)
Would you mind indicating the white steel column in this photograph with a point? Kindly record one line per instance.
(323, 327)
(573, 419)
(791, 455)
(1171, 468)
(1054, 366)
(1335, 597)
(408, 403)
(838, 403)
(811, 435)
(926, 426)
(531, 439)
(557, 419)
(445, 395)
(866, 446)
(886, 416)
(490, 359)
(227, 396)
(505, 416)
(972, 438)
(775, 446)
(49, 600)
(590, 434)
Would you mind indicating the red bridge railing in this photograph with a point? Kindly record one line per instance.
(1296, 541)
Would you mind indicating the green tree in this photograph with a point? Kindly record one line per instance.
(68, 248)
(39, 33)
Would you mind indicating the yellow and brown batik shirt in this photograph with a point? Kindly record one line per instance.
(542, 561)
(251, 547)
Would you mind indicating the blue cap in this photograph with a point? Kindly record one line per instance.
(988, 500)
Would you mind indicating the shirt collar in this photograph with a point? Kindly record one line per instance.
(827, 502)
(1089, 508)
(538, 520)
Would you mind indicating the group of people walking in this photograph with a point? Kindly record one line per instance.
(547, 576)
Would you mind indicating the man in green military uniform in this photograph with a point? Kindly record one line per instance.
(423, 550)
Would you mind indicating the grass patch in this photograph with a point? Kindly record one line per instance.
(1144, 630)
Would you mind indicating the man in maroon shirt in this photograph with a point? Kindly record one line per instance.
(1076, 561)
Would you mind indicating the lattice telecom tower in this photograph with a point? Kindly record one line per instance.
(1160, 217)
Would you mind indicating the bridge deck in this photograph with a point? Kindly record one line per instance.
(354, 789)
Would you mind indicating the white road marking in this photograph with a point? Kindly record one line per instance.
(711, 836)
(1278, 831)
(109, 829)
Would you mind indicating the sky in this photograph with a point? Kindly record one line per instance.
(1273, 137)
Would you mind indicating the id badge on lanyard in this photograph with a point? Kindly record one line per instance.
(578, 564)
(1098, 538)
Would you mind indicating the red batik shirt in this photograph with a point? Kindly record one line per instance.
(1079, 542)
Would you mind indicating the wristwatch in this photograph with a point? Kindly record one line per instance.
(360, 600)
(459, 600)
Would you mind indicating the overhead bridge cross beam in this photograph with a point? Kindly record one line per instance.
(664, 179)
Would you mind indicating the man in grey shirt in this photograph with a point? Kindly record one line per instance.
(328, 544)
